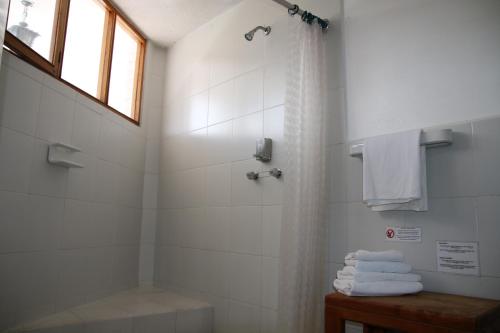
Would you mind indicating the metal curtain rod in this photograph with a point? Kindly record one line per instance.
(305, 15)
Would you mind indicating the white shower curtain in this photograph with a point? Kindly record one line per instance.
(303, 232)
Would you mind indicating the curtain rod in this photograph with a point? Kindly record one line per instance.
(305, 15)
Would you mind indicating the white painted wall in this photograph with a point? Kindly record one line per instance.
(68, 236)
(420, 63)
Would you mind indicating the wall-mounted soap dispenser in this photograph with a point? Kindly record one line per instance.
(264, 150)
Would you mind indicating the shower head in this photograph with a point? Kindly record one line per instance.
(249, 35)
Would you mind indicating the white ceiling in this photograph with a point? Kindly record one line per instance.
(166, 21)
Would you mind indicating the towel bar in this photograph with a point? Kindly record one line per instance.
(430, 139)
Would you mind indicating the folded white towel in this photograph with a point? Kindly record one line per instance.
(382, 288)
(350, 273)
(394, 172)
(390, 255)
(379, 266)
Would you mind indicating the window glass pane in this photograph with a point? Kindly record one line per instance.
(32, 21)
(84, 37)
(123, 68)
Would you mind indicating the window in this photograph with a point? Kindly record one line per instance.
(87, 44)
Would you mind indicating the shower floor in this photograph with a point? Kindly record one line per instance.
(148, 310)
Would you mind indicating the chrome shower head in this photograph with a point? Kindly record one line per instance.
(249, 35)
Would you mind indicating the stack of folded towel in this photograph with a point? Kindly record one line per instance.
(376, 274)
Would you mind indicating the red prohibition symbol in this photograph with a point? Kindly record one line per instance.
(390, 233)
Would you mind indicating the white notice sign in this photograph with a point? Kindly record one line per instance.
(458, 257)
(403, 234)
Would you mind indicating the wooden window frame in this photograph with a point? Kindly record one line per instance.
(54, 66)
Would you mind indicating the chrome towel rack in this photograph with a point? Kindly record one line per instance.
(430, 139)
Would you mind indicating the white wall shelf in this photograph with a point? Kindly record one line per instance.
(60, 154)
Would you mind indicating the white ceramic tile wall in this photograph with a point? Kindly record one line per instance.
(462, 179)
(218, 232)
(77, 231)
(154, 87)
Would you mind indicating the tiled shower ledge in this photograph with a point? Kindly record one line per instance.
(148, 310)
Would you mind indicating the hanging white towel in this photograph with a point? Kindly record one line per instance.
(394, 172)
(389, 255)
(379, 266)
(350, 273)
(382, 288)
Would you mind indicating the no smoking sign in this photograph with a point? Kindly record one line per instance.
(403, 234)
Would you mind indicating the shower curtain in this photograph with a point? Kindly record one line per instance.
(303, 232)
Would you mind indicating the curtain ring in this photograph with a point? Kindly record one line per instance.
(294, 10)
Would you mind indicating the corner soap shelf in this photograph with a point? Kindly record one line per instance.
(430, 139)
(59, 154)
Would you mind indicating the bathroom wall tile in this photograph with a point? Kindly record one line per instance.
(87, 225)
(19, 101)
(148, 225)
(29, 223)
(152, 164)
(449, 169)
(222, 103)
(150, 196)
(245, 284)
(191, 221)
(175, 118)
(274, 126)
(60, 87)
(200, 76)
(128, 226)
(55, 117)
(220, 311)
(194, 269)
(195, 153)
(110, 137)
(132, 151)
(270, 270)
(198, 111)
(218, 185)
(268, 321)
(246, 131)
(243, 318)
(130, 186)
(45, 178)
(125, 267)
(168, 229)
(354, 176)
(215, 273)
(485, 287)
(246, 230)
(16, 150)
(219, 143)
(13, 62)
(249, 93)
(486, 156)
(106, 182)
(337, 232)
(274, 84)
(146, 264)
(215, 229)
(447, 219)
(271, 230)
(86, 127)
(488, 234)
(81, 181)
(85, 275)
(184, 189)
(243, 190)
(29, 297)
(337, 175)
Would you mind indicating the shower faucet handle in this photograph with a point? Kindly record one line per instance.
(252, 175)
